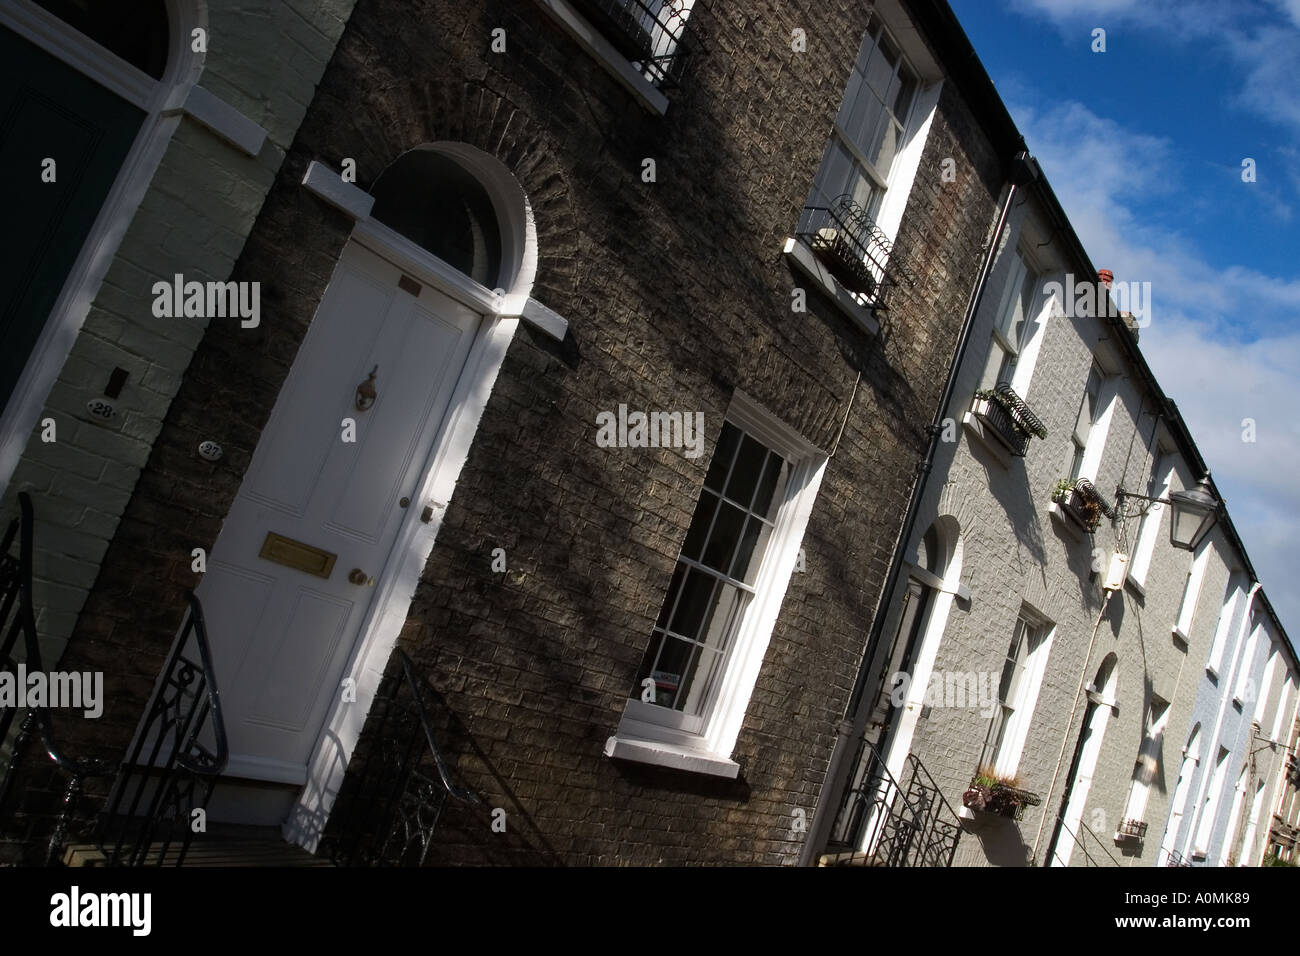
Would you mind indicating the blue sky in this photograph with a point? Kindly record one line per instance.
(1144, 145)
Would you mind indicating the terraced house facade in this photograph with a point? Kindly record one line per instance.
(539, 398)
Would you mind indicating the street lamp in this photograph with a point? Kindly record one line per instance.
(1194, 513)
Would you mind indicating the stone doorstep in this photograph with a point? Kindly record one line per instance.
(225, 845)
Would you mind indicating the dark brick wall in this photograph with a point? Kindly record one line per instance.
(676, 293)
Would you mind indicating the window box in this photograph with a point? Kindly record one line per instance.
(648, 33)
(1082, 503)
(1006, 415)
(850, 246)
(1131, 831)
(989, 793)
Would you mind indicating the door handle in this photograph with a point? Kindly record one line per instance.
(359, 577)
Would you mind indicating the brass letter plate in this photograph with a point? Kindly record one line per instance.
(296, 555)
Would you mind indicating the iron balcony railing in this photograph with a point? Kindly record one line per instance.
(1175, 859)
(1009, 417)
(1086, 505)
(390, 809)
(1131, 830)
(853, 249)
(647, 32)
(894, 824)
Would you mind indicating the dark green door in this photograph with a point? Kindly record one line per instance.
(48, 110)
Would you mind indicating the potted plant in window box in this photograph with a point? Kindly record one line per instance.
(1079, 500)
(991, 793)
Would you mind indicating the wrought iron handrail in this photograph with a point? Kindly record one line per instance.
(854, 249)
(16, 587)
(155, 796)
(394, 806)
(1083, 846)
(898, 825)
(647, 32)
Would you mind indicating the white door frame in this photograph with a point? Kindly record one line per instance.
(162, 102)
(1077, 800)
(415, 539)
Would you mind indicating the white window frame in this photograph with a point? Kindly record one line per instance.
(1205, 829)
(1149, 531)
(1246, 667)
(1006, 761)
(1094, 446)
(1148, 760)
(1224, 627)
(1023, 353)
(162, 101)
(1192, 591)
(881, 180)
(646, 732)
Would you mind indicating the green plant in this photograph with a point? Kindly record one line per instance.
(1063, 487)
(1278, 861)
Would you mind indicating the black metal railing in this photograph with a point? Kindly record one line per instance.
(390, 813)
(647, 32)
(164, 784)
(1176, 859)
(18, 619)
(1086, 505)
(1099, 855)
(853, 249)
(895, 824)
(1009, 417)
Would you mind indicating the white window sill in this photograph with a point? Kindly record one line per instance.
(1180, 636)
(673, 756)
(975, 428)
(1212, 671)
(805, 262)
(603, 52)
(1136, 585)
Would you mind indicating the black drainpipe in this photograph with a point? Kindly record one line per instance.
(1024, 170)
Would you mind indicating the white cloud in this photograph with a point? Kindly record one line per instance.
(1223, 340)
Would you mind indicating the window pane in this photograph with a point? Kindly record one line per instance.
(745, 475)
(693, 604)
(674, 586)
(700, 525)
(727, 526)
(890, 138)
(722, 456)
(756, 535)
(772, 488)
(903, 98)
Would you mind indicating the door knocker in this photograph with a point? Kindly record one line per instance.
(366, 393)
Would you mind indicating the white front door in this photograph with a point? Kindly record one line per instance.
(317, 513)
